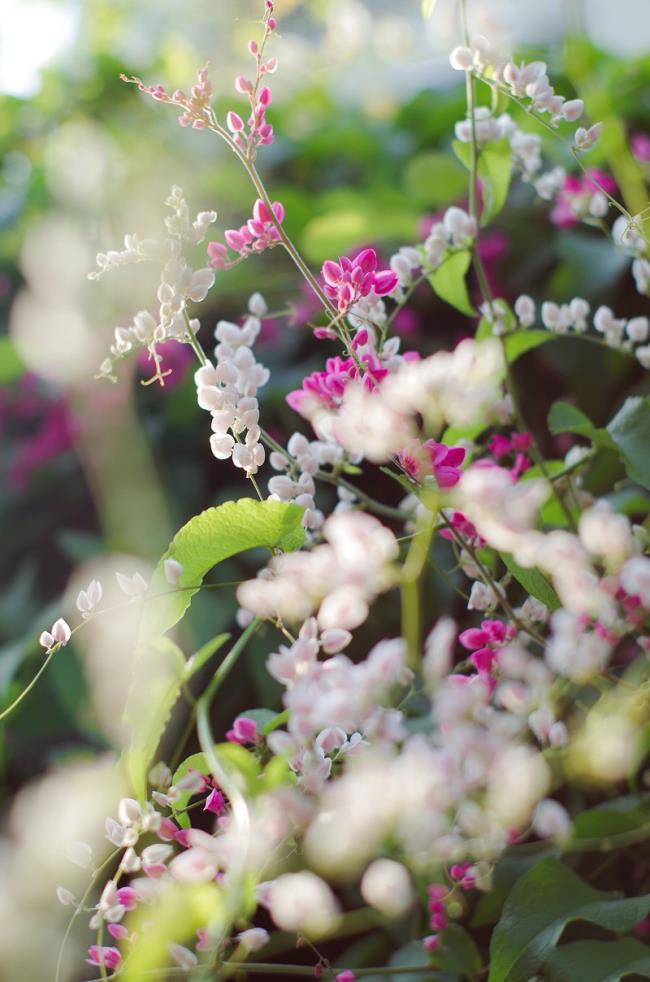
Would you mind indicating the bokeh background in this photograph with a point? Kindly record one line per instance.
(96, 477)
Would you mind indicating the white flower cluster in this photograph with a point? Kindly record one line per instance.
(618, 332)
(301, 462)
(525, 81)
(179, 283)
(627, 235)
(228, 391)
(339, 578)
(457, 229)
(526, 147)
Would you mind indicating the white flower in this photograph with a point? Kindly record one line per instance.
(525, 310)
(132, 586)
(253, 939)
(386, 886)
(89, 598)
(60, 633)
(173, 571)
(303, 902)
(635, 578)
(585, 139)
(638, 329)
(551, 820)
(257, 305)
(181, 956)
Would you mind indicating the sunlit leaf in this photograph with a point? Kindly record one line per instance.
(534, 582)
(494, 171)
(434, 178)
(448, 281)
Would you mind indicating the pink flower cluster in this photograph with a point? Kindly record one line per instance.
(464, 528)
(581, 196)
(244, 730)
(327, 386)
(349, 280)
(443, 462)
(484, 641)
(196, 107)
(260, 132)
(517, 444)
(259, 233)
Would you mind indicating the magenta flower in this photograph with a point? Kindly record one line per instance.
(108, 957)
(462, 525)
(259, 233)
(244, 730)
(326, 388)
(582, 197)
(215, 802)
(640, 147)
(441, 461)
(349, 280)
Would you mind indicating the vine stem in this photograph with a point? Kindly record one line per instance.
(484, 285)
(239, 807)
(17, 701)
(299, 971)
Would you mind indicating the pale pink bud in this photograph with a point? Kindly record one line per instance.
(573, 109)
(173, 571)
(182, 956)
(461, 59)
(253, 939)
(61, 632)
(243, 85)
(64, 896)
(234, 122)
(252, 47)
(334, 639)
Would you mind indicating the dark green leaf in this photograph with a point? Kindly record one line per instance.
(448, 281)
(542, 903)
(458, 952)
(630, 431)
(533, 582)
(598, 961)
(565, 418)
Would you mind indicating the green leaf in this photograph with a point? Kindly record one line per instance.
(598, 961)
(533, 582)
(565, 418)
(630, 431)
(618, 816)
(434, 178)
(542, 903)
(516, 861)
(494, 170)
(196, 661)
(159, 673)
(458, 952)
(11, 364)
(448, 281)
(517, 343)
(208, 539)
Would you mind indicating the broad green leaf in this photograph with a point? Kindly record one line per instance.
(517, 343)
(542, 903)
(598, 961)
(552, 512)
(196, 661)
(516, 861)
(208, 539)
(565, 418)
(458, 952)
(434, 178)
(277, 774)
(533, 582)
(630, 431)
(494, 170)
(455, 433)
(11, 364)
(615, 817)
(448, 281)
(159, 673)
(243, 764)
(175, 916)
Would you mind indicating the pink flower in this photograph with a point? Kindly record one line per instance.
(326, 388)
(259, 233)
(462, 525)
(431, 942)
(640, 147)
(346, 976)
(244, 730)
(215, 802)
(433, 458)
(108, 957)
(574, 200)
(347, 281)
(128, 897)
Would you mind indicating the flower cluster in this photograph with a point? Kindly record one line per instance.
(259, 233)
(228, 391)
(351, 280)
(260, 132)
(180, 284)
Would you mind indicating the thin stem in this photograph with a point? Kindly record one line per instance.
(191, 337)
(17, 701)
(79, 909)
